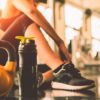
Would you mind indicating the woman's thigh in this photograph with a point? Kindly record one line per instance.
(16, 28)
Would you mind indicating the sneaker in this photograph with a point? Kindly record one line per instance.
(69, 78)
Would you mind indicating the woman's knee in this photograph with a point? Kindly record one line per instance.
(32, 29)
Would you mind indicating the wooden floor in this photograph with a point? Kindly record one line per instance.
(50, 94)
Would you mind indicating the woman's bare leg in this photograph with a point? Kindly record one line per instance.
(12, 27)
(43, 49)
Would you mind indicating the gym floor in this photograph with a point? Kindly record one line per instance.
(50, 94)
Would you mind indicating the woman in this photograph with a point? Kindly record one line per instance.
(62, 72)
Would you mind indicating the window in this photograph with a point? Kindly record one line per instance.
(48, 14)
(73, 16)
(95, 29)
(73, 22)
(2, 4)
(70, 33)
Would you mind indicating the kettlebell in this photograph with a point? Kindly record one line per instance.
(7, 72)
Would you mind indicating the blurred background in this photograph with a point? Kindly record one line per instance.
(77, 22)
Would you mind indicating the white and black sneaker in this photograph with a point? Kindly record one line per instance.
(69, 78)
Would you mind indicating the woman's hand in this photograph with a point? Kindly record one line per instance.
(63, 51)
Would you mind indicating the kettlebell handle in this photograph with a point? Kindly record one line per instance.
(9, 49)
(7, 72)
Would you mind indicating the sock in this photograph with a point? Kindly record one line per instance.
(58, 68)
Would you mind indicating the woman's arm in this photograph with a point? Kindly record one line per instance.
(31, 11)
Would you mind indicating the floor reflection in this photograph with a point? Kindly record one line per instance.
(63, 93)
(92, 94)
(58, 95)
(70, 95)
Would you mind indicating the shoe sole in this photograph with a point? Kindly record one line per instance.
(56, 85)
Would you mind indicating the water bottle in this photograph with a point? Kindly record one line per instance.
(27, 67)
